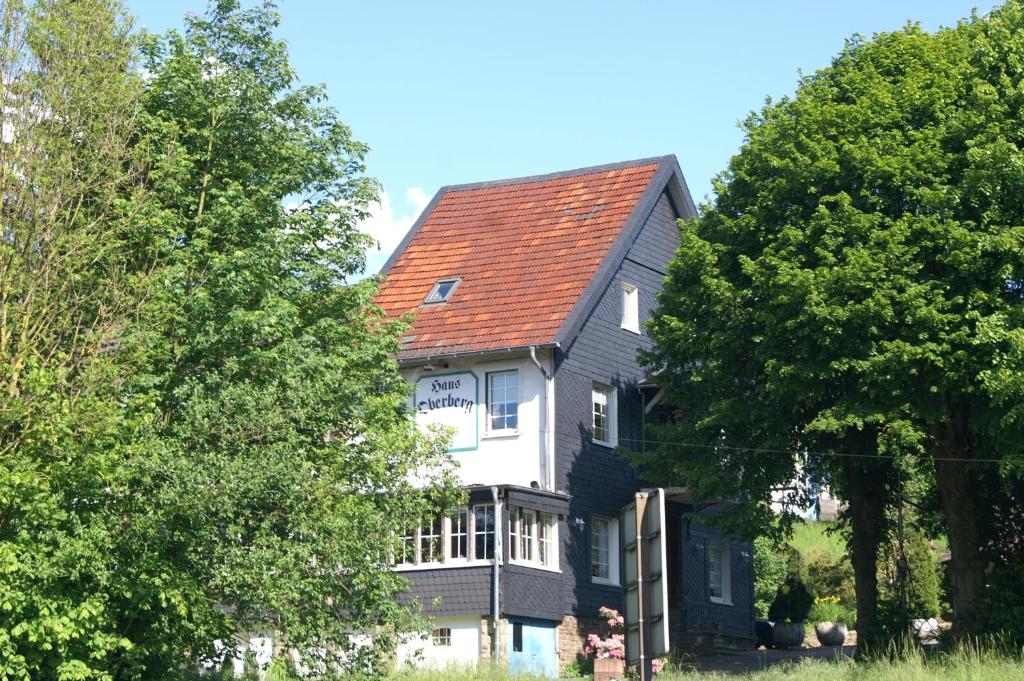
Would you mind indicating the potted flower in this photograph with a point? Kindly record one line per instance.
(789, 611)
(609, 652)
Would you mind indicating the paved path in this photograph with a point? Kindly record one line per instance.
(754, 660)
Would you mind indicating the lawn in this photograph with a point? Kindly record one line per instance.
(964, 665)
(813, 540)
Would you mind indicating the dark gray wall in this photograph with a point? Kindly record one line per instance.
(599, 481)
(462, 591)
(698, 613)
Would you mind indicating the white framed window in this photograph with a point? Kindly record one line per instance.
(604, 419)
(719, 573)
(604, 550)
(442, 637)
(630, 308)
(533, 537)
(502, 401)
(442, 291)
(465, 535)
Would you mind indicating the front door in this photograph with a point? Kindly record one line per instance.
(532, 648)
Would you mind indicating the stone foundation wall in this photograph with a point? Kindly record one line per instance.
(504, 631)
(572, 637)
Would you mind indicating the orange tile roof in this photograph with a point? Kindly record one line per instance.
(525, 251)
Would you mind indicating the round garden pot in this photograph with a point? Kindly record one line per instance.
(831, 633)
(788, 634)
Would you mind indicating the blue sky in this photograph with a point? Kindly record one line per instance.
(451, 92)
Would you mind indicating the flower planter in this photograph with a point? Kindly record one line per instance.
(831, 634)
(609, 669)
(788, 634)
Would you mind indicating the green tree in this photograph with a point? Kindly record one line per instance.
(202, 428)
(69, 99)
(856, 287)
(283, 459)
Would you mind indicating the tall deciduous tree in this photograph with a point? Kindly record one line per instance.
(69, 100)
(856, 287)
(284, 454)
(202, 429)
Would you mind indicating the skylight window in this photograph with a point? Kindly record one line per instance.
(442, 291)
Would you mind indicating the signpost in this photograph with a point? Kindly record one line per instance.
(646, 583)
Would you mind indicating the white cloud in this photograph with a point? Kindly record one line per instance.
(388, 228)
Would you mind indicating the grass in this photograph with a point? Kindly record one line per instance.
(968, 663)
(813, 540)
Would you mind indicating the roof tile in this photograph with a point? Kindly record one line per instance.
(524, 250)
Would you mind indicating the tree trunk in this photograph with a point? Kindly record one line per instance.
(957, 485)
(866, 494)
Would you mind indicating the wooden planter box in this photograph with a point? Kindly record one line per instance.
(609, 669)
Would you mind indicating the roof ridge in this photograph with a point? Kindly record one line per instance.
(586, 170)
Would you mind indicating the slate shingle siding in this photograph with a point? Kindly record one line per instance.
(697, 611)
(529, 592)
(599, 481)
(462, 591)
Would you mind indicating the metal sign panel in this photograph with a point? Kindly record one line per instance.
(646, 579)
(450, 399)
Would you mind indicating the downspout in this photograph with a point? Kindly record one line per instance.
(496, 585)
(546, 437)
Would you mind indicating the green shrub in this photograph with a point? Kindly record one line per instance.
(770, 569)
(923, 584)
(792, 602)
(829, 609)
(830, 579)
(1002, 609)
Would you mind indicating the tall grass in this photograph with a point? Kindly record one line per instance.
(970, 662)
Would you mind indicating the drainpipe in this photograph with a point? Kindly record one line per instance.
(546, 438)
(496, 605)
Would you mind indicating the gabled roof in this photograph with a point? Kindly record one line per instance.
(531, 255)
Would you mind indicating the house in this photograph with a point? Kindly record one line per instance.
(529, 298)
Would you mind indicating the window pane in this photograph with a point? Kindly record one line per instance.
(715, 571)
(599, 548)
(483, 532)
(408, 551)
(430, 541)
(513, 526)
(546, 538)
(600, 412)
(503, 400)
(529, 534)
(458, 543)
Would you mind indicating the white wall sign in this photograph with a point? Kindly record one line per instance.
(450, 400)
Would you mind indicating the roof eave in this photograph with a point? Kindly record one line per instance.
(509, 350)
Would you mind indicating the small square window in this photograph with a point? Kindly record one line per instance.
(442, 291)
(442, 636)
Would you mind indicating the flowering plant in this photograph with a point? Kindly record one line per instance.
(614, 645)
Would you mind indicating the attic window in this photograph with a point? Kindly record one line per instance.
(442, 291)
